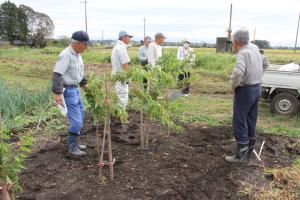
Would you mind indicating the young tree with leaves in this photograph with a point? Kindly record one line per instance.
(11, 161)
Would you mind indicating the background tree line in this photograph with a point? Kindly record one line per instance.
(24, 26)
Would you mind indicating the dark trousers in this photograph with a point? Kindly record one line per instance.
(186, 85)
(245, 111)
(145, 81)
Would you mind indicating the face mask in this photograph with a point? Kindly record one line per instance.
(186, 45)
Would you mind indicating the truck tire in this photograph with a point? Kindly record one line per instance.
(285, 103)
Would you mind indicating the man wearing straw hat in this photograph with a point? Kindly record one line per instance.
(186, 56)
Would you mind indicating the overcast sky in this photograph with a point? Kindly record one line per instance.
(275, 21)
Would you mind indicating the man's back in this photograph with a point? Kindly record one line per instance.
(251, 60)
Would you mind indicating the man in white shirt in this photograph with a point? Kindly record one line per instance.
(154, 49)
(120, 61)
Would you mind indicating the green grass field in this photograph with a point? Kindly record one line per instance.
(210, 102)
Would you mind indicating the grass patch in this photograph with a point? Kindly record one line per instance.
(210, 101)
(17, 100)
(204, 109)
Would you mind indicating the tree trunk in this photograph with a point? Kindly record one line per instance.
(5, 193)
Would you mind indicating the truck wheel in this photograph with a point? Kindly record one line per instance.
(285, 103)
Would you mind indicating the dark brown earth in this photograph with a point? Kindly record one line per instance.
(189, 165)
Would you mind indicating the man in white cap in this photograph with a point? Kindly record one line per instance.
(154, 49)
(120, 61)
(185, 54)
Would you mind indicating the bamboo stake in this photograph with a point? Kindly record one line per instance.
(167, 108)
(148, 118)
(142, 130)
(102, 153)
(111, 166)
(148, 124)
(107, 122)
(98, 149)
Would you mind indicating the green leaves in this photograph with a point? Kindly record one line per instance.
(12, 157)
(160, 78)
(152, 107)
(100, 107)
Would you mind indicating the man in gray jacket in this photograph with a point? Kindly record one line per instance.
(67, 77)
(245, 82)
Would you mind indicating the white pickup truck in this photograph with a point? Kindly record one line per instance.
(282, 89)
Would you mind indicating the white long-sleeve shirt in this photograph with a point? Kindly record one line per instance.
(154, 53)
(119, 57)
(183, 53)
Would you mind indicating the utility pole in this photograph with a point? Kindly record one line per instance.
(85, 14)
(254, 36)
(228, 46)
(144, 27)
(102, 41)
(297, 34)
(229, 28)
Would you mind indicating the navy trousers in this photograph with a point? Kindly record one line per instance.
(75, 111)
(245, 111)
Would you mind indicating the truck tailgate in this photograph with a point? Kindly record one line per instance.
(280, 79)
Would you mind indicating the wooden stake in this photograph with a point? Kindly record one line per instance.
(261, 148)
(257, 156)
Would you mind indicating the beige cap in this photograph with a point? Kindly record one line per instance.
(186, 41)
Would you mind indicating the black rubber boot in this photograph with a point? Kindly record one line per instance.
(80, 146)
(251, 147)
(240, 156)
(73, 147)
(74, 150)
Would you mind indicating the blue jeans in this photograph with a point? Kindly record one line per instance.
(75, 109)
(245, 111)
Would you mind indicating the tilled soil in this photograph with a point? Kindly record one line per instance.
(189, 165)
